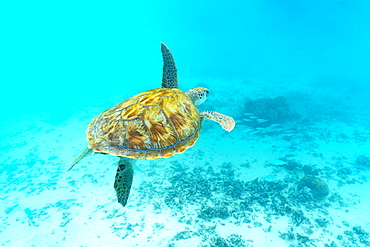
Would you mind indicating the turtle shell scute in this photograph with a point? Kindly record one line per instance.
(157, 123)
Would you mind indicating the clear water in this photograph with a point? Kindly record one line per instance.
(64, 62)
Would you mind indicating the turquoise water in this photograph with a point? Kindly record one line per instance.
(57, 50)
(64, 62)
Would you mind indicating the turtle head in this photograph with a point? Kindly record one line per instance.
(198, 95)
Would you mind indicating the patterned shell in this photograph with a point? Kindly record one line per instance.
(154, 124)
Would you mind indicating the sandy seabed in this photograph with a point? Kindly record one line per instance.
(230, 189)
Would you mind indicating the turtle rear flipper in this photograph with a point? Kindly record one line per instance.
(226, 122)
(123, 181)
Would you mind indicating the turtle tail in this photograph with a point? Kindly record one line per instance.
(85, 153)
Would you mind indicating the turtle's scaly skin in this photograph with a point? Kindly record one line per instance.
(123, 181)
(169, 76)
(157, 123)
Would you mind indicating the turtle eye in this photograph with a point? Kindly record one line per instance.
(203, 94)
(206, 92)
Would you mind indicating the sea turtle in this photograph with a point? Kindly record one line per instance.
(157, 123)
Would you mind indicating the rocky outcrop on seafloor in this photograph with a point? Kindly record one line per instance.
(317, 185)
(275, 110)
(363, 161)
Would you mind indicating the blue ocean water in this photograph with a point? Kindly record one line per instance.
(293, 74)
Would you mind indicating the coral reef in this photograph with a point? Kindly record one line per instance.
(274, 110)
(317, 185)
(363, 161)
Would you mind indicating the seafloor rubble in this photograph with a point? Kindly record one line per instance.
(218, 196)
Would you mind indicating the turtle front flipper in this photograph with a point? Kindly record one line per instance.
(84, 154)
(169, 76)
(226, 122)
(123, 182)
